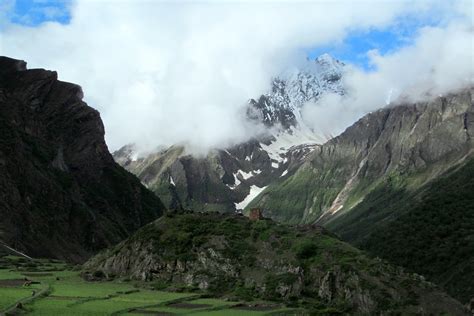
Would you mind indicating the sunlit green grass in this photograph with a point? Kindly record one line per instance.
(239, 312)
(66, 293)
(8, 274)
(9, 296)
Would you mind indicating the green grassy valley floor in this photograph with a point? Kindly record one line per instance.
(58, 289)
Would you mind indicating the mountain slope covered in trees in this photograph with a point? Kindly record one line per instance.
(431, 232)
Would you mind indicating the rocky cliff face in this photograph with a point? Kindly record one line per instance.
(410, 144)
(61, 193)
(228, 179)
(229, 255)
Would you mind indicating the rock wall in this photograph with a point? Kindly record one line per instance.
(61, 193)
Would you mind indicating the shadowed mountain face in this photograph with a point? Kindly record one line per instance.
(61, 193)
(430, 231)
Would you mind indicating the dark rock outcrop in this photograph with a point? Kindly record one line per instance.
(61, 193)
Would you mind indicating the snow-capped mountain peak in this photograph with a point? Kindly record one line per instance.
(239, 173)
(281, 106)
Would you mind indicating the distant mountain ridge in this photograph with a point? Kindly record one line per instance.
(414, 141)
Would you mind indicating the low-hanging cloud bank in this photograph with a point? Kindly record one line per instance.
(440, 61)
(180, 72)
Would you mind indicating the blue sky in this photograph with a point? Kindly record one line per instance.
(34, 12)
(355, 46)
(353, 49)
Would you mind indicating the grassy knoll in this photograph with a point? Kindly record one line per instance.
(58, 289)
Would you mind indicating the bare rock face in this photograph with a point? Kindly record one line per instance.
(61, 193)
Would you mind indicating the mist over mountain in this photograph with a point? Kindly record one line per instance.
(164, 74)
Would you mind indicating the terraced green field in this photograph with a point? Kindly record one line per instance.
(47, 287)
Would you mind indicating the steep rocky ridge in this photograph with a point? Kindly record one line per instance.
(410, 144)
(305, 266)
(61, 193)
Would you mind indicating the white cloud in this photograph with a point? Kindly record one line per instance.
(180, 72)
(441, 60)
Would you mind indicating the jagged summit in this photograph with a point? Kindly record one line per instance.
(8, 64)
(292, 89)
(329, 61)
(329, 68)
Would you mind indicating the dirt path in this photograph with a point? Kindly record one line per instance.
(166, 303)
(12, 282)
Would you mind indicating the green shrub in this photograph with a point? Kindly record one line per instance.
(306, 250)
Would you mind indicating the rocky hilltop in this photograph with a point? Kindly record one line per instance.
(304, 266)
(61, 193)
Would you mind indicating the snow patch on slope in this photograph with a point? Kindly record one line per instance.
(236, 181)
(245, 175)
(254, 191)
(284, 140)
